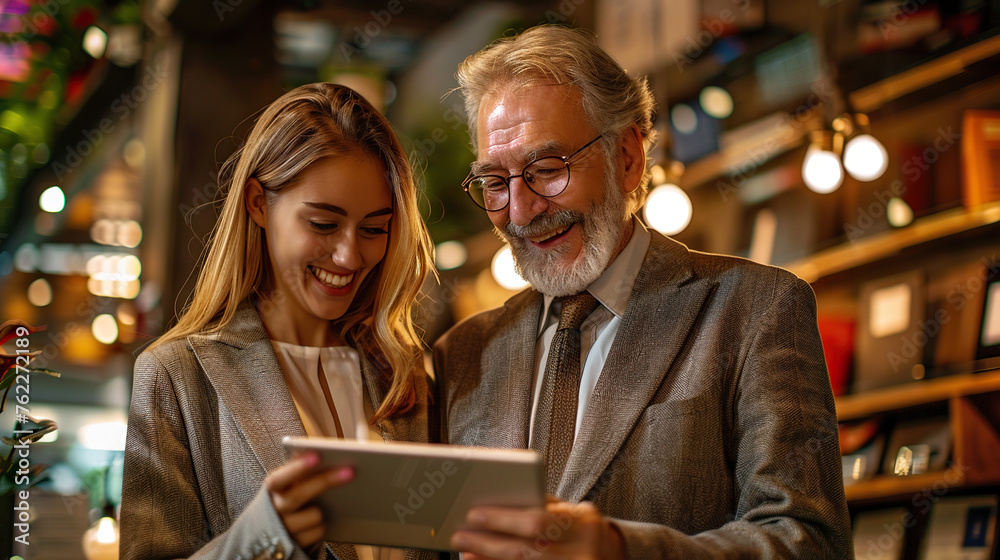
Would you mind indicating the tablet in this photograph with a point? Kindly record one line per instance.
(417, 495)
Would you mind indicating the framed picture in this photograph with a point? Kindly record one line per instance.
(891, 340)
(989, 332)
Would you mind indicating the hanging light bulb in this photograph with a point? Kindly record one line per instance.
(668, 209)
(821, 170)
(865, 158)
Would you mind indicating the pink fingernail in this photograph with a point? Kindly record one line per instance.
(342, 475)
(312, 459)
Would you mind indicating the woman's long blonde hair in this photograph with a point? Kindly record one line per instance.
(309, 123)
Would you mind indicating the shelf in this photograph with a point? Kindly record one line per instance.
(852, 407)
(751, 146)
(974, 440)
(873, 248)
(887, 487)
(872, 97)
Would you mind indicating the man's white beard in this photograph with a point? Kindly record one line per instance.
(602, 231)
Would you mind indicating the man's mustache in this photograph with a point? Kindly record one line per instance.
(544, 223)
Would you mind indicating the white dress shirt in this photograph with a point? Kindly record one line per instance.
(612, 289)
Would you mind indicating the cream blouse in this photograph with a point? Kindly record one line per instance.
(331, 398)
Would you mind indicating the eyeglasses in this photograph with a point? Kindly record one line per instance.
(546, 176)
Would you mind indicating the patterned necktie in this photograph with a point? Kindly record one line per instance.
(555, 418)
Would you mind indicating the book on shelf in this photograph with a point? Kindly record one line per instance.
(981, 157)
(960, 528)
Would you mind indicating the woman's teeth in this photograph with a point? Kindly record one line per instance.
(331, 280)
(546, 236)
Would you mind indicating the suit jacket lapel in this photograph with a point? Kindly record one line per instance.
(507, 373)
(665, 302)
(240, 363)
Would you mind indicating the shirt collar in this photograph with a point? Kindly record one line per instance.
(614, 286)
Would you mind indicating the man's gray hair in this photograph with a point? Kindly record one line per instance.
(612, 100)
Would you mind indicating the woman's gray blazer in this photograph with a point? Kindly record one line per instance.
(205, 427)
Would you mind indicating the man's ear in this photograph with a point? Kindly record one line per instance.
(256, 202)
(633, 159)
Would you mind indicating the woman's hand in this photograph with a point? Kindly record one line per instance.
(294, 486)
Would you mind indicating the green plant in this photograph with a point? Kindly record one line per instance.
(14, 368)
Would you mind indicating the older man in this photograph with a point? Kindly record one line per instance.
(679, 399)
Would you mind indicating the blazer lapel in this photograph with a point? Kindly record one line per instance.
(240, 363)
(665, 302)
(508, 361)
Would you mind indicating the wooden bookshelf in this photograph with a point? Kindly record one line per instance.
(862, 405)
(879, 246)
(887, 487)
(975, 443)
(931, 72)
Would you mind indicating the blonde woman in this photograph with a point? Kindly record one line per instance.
(299, 325)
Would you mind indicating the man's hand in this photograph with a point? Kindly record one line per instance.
(560, 530)
(294, 486)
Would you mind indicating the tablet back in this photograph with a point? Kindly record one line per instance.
(417, 495)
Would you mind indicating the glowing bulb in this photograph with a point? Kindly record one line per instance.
(898, 212)
(129, 268)
(100, 542)
(865, 158)
(108, 436)
(40, 293)
(504, 271)
(126, 314)
(106, 530)
(658, 175)
(95, 41)
(27, 258)
(668, 209)
(105, 329)
(52, 200)
(716, 102)
(129, 233)
(684, 118)
(449, 255)
(821, 170)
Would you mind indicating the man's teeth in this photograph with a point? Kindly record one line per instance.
(551, 234)
(331, 280)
